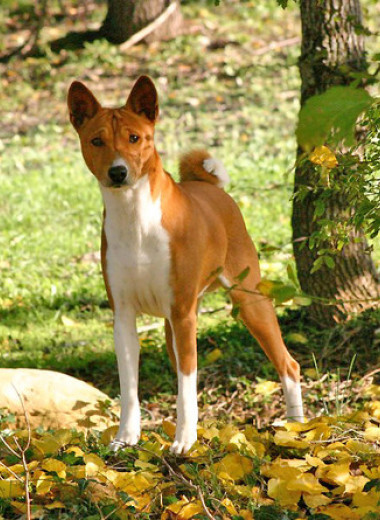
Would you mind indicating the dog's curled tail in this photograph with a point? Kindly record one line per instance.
(198, 165)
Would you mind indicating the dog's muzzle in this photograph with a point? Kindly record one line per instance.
(117, 174)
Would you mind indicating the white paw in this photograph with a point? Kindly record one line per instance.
(123, 441)
(216, 168)
(183, 444)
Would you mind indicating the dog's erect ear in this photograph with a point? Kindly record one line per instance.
(82, 104)
(143, 99)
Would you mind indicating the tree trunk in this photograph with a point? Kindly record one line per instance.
(331, 51)
(126, 17)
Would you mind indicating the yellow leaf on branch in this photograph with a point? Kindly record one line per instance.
(55, 505)
(323, 156)
(11, 489)
(42, 481)
(47, 444)
(55, 465)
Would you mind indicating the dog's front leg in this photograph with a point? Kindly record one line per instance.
(127, 348)
(185, 348)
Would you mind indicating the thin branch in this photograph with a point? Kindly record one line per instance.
(11, 472)
(145, 31)
(23, 457)
(14, 452)
(276, 45)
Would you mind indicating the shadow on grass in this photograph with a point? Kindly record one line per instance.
(241, 355)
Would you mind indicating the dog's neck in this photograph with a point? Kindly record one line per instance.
(139, 207)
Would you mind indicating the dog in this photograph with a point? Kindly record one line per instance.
(164, 244)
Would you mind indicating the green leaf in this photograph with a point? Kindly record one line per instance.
(317, 265)
(333, 113)
(303, 301)
(296, 337)
(319, 208)
(292, 274)
(283, 293)
(235, 311)
(241, 276)
(329, 261)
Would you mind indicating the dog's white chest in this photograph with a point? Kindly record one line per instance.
(138, 252)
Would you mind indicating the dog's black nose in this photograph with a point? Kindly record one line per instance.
(117, 174)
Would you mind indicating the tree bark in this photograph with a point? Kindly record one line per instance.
(331, 51)
(126, 17)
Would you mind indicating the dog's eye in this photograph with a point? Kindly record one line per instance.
(133, 138)
(97, 141)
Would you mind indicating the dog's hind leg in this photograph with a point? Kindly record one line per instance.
(257, 312)
(169, 344)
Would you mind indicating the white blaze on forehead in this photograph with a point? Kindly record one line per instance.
(216, 168)
(119, 161)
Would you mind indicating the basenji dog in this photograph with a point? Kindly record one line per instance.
(164, 244)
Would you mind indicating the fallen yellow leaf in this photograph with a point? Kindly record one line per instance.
(306, 483)
(213, 356)
(288, 439)
(233, 467)
(372, 434)
(371, 473)
(68, 322)
(337, 474)
(370, 499)
(108, 434)
(227, 503)
(314, 501)
(76, 450)
(355, 484)
(339, 512)
(266, 387)
(183, 509)
(94, 464)
(169, 428)
(278, 490)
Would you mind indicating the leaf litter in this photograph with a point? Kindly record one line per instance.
(327, 466)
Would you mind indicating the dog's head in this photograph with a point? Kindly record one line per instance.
(117, 144)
